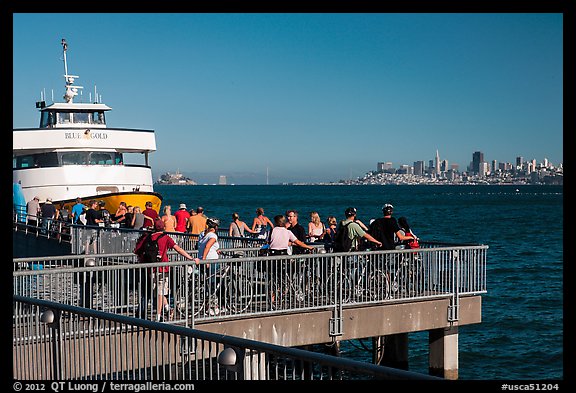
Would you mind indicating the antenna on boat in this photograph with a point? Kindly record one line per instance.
(71, 91)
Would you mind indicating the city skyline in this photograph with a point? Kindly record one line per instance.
(217, 179)
(463, 167)
(306, 97)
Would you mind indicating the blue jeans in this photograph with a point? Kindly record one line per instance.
(46, 223)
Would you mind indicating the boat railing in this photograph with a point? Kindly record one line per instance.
(39, 226)
(243, 284)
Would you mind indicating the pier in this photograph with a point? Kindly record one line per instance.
(284, 301)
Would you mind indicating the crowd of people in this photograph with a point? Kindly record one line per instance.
(384, 233)
(284, 234)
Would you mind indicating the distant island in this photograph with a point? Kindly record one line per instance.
(175, 179)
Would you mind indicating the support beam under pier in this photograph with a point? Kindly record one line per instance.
(443, 358)
(391, 350)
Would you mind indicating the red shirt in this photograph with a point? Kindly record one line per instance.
(164, 244)
(182, 216)
(150, 213)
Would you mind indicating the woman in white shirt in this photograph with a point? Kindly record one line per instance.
(281, 238)
(316, 227)
(208, 246)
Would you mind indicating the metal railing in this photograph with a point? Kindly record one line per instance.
(98, 240)
(107, 240)
(40, 227)
(251, 285)
(53, 341)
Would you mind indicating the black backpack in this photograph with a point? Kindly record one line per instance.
(150, 252)
(105, 214)
(342, 242)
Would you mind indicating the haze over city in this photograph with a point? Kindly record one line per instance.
(306, 97)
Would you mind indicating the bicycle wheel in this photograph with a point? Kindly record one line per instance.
(278, 294)
(378, 286)
(205, 299)
(298, 287)
(181, 303)
(331, 285)
(239, 294)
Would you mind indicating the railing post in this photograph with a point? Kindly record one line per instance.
(52, 320)
(336, 320)
(193, 292)
(453, 308)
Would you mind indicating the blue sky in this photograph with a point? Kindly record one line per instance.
(311, 97)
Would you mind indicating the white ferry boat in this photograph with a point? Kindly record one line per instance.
(74, 154)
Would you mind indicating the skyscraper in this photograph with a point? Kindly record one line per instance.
(419, 168)
(437, 163)
(477, 158)
(444, 166)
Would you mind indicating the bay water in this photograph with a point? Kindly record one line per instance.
(521, 333)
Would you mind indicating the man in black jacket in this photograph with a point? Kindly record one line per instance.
(384, 229)
(297, 229)
(48, 211)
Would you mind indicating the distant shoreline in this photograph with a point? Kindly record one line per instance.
(354, 185)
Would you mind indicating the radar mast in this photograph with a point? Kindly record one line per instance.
(71, 91)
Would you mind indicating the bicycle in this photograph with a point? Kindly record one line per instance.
(361, 280)
(223, 289)
(297, 282)
(408, 275)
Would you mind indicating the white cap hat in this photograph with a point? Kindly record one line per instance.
(48, 199)
(182, 206)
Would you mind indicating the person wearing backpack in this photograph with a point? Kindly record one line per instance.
(349, 233)
(150, 248)
(406, 230)
(385, 228)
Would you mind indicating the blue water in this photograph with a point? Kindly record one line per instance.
(521, 334)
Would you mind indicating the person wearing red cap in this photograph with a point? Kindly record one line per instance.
(161, 274)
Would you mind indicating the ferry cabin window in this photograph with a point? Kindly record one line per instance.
(67, 158)
(72, 117)
(74, 158)
(23, 162)
(98, 117)
(47, 119)
(64, 117)
(36, 161)
(46, 160)
(101, 158)
(80, 117)
(91, 158)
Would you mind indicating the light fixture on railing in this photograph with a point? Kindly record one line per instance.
(231, 359)
(47, 317)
